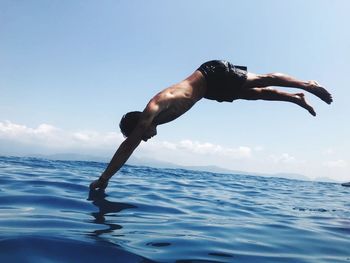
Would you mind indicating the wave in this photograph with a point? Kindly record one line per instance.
(47, 213)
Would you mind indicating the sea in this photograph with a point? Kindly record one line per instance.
(48, 214)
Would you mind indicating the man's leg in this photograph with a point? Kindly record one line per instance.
(272, 94)
(283, 80)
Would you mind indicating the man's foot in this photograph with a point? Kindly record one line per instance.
(319, 91)
(302, 102)
(99, 184)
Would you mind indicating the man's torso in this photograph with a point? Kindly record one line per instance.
(179, 98)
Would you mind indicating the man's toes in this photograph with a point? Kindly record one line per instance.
(330, 99)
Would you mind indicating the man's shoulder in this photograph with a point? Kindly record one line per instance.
(152, 109)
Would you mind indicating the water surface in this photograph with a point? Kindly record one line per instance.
(47, 214)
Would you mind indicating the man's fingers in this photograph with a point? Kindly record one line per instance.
(97, 184)
(93, 185)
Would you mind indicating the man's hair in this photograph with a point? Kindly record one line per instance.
(128, 122)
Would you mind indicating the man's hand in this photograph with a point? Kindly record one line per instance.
(99, 184)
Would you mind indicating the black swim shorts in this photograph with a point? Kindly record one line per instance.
(224, 80)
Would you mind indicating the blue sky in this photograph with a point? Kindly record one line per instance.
(70, 69)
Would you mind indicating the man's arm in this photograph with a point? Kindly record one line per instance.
(127, 147)
(120, 157)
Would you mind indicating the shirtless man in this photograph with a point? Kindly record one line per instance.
(216, 80)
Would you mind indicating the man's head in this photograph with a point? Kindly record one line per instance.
(129, 122)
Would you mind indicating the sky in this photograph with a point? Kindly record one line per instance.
(70, 69)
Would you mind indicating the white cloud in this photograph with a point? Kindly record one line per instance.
(282, 158)
(48, 136)
(48, 139)
(258, 148)
(336, 164)
(197, 147)
(9, 129)
(81, 136)
(328, 151)
(201, 148)
(23, 134)
(52, 137)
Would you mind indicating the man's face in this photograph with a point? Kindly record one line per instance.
(152, 131)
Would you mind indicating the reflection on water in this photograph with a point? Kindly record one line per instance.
(99, 199)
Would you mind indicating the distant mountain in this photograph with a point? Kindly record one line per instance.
(152, 163)
(161, 164)
(292, 176)
(70, 157)
(325, 179)
(214, 169)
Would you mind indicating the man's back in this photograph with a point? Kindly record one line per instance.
(179, 98)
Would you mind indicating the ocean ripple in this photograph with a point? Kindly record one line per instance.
(48, 214)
